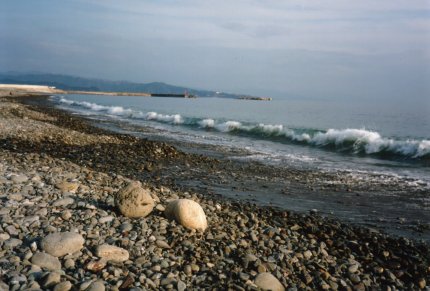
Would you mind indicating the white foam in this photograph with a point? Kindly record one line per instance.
(229, 126)
(118, 110)
(207, 123)
(371, 142)
(114, 110)
(175, 119)
(304, 137)
(66, 101)
(423, 148)
(270, 129)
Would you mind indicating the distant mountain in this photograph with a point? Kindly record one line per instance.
(66, 82)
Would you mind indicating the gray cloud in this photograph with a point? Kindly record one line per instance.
(328, 48)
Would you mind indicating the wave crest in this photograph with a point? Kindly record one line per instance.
(370, 142)
(356, 141)
(114, 110)
(175, 118)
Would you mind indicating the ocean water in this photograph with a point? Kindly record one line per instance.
(390, 139)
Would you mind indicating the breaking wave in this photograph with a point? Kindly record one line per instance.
(114, 110)
(355, 141)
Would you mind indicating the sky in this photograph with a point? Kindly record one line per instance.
(337, 49)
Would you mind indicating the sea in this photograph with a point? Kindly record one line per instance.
(384, 138)
(372, 142)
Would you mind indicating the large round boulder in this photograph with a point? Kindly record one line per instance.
(267, 281)
(134, 201)
(62, 243)
(188, 213)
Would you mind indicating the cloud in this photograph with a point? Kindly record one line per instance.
(358, 27)
(272, 45)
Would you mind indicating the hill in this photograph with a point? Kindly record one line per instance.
(67, 82)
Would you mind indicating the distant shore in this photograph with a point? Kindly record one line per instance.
(13, 90)
(42, 148)
(20, 90)
(255, 98)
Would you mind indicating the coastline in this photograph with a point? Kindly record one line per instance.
(377, 198)
(39, 90)
(300, 250)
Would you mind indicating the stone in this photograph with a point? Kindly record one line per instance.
(33, 246)
(112, 253)
(63, 202)
(85, 285)
(267, 281)
(162, 244)
(251, 257)
(18, 279)
(4, 211)
(69, 264)
(51, 280)
(261, 268)
(96, 266)
(353, 268)
(33, 285)
(164, 264)
(355, 278)
(42, 212)
(188, 270)
(16, 197)
(166, 281)
(12, 243)
(63, 286)
(106, 219)
(12, 230)
(333, 285)
(46, 261)
(4, 236)
(134, 201)
(19, 178)
(31, 219)
(62, 243)
(66, 186)
(126, 227)
(244, 276)
(188, 213)
(4, 286)
(307, 254)
(181, 286)
(96, 286)
(160, 207)
(66, 214)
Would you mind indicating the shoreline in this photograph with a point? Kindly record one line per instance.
(40, 90)
(394, 204)
(300, 250)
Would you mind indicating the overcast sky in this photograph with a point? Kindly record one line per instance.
(315, 49)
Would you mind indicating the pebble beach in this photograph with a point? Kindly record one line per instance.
(66, 188)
